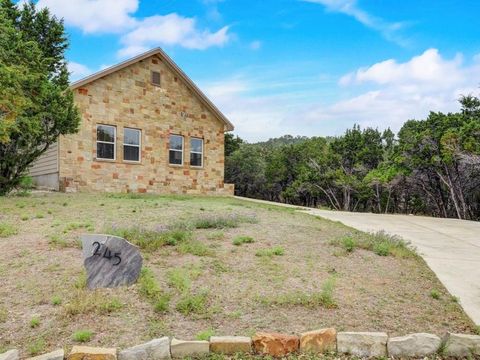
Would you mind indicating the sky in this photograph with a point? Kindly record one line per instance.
(298, 67)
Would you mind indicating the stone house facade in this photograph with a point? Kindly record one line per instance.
(146, 128)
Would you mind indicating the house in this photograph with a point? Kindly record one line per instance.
(146, 128)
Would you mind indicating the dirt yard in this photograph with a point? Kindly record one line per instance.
(211, 266)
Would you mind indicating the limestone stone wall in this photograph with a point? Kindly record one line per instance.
(127, 98)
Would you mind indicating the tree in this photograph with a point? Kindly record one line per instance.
(232, 143)
(36, 105)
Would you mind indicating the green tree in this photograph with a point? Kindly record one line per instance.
(36, 105)
(232, 143)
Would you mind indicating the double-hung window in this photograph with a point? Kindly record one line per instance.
(131, 144)
(106, 135)
(196, 152)
(175, 153)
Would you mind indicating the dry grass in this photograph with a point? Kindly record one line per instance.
(205, 274)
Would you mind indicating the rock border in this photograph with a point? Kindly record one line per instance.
(327, 340)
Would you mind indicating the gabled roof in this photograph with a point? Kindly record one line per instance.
(174, 67)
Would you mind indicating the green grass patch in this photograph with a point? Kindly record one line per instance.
(152, 240)
(56, 300)
(149, 289)
(380, 243)
(222, 222)
(57, 241)
(274, 251)
(216, 235)
(205, 335)
(3, 314)
(181, 278)
(240, 240)
(435, 294)
(192, 304)
(194, 247)
(36, 347)
(323, 298)
(82, 336)
(7, 230)
(34, 322)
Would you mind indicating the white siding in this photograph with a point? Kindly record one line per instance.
(47, 163)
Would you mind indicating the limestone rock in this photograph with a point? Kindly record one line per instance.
(230, 344)
(413, 345)
(110, 261)
(182, 349)
(362, 344)
(92, 353)
(274, 344)
(319, 341)
(462, 345)
(10, 355)
(54, 355)
(157, 349)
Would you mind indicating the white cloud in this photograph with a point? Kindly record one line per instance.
(171, 29)
(385, 94)
(78, 71)
(389, 30)
(95, 16)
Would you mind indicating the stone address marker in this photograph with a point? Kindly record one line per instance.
(110, 261)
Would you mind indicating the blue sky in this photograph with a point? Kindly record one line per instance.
(300, 67)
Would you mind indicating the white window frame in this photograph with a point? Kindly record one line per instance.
(139, 145)
(106, 142)
(196, 152)
(170, 149)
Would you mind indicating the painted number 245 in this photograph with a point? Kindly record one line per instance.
(107, 254)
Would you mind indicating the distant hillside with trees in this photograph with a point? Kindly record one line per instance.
(431, 167)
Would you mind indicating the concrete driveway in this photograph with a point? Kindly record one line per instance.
(450, 247)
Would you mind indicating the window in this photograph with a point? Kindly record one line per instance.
(106, 135)
(196, 152)
(131, 144)
(175, 155)
(156, 78)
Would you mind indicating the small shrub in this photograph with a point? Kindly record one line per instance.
(205, 335)
(239, 240)
(192, 304)
(382, 248)
(24, 187)
(7, 230)
(56, 300)
(82, 336)
(435, 294)
(110, 306)
(348, 243)
(39, 216)
(24, 217)
(275, 251)
(34, 322)
(36, 347)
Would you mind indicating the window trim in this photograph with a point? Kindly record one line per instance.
(106, 142)
(170, 149)
(196, 152)
(139, 146)
(159, 78)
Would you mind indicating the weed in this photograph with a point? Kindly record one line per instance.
(24, 217)
(57, 241)
(152, 240)
(216, 235)
(56, 300)
(435, 294)
(85, 302)
(192, 304)
(7, 230)
(382, 248)
(181, 278)
(219, 267)
(194, 247)
(239, 240)
(157, 328)
(477, 330)
(36, 347)
(110, 306)
(82, 336)
(322, 298)
(222, 222)
(81, 282)
(34, 322)
(274, 251)
(205, 335)
(348, 243)
(149, 288)
(39, 216)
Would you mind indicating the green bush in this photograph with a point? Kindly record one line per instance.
(34, 322)
(382, 248)
(275, 251)
(349, 243)
(192, 304)
(7, 230)
(435, 294)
